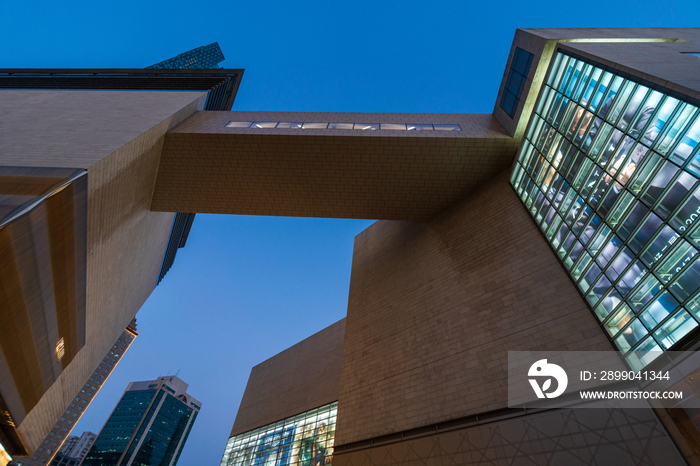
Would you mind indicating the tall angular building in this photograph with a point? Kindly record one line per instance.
(50, 252)
(148, 427)
(564, 220)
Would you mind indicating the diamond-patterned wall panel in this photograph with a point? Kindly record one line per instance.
(596, 437)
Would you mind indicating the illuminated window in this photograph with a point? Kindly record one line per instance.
(393, 126)
(60, 349)
(358, 126)
(302, 440)
(607, 169)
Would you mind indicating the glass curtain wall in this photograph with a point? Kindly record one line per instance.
(302, 440)
(609, 169)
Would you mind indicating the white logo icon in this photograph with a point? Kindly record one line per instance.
(542, 369)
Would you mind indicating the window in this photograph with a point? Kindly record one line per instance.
(606, 171)
(60, 349)
(515, 82)
(366, 126)
(355, 126)
(339, 125)
(312, 431)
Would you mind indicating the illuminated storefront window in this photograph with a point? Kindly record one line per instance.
(609, 170)
(302, 440)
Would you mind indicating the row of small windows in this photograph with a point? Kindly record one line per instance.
(610, 171)
(358, 126)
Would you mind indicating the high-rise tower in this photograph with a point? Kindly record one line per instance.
(149, 426)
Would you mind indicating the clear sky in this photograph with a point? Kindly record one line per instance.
(246, 288)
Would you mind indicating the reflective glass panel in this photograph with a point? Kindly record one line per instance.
(339, 125)
(447, 128)
(395, 126)
(303, 440)
(610, 171)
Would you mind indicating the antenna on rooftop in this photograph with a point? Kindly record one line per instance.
(176, 373)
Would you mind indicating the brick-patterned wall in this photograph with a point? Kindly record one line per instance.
(77, 129)
(118, 137)
(434, 307)
(298, 379)
(559, 437)
(398, 175)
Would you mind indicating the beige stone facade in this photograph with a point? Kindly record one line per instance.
(117, 136)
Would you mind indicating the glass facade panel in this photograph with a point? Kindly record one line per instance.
(515, 82)
(447, 128)
(302, 440)
(610, 171)
(394, 126)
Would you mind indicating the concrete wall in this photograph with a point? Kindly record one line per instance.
(117, 136)
(434, 308)
(298, 379)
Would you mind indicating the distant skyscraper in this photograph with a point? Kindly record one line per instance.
(74, 450)
(149, 426)
(204, 57)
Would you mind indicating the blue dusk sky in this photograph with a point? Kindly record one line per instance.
(246, 288)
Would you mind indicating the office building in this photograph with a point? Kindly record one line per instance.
(206, 57)
(496, 232)
(74, 450)
(149, 425)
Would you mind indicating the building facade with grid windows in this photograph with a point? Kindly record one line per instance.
(149, 425)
